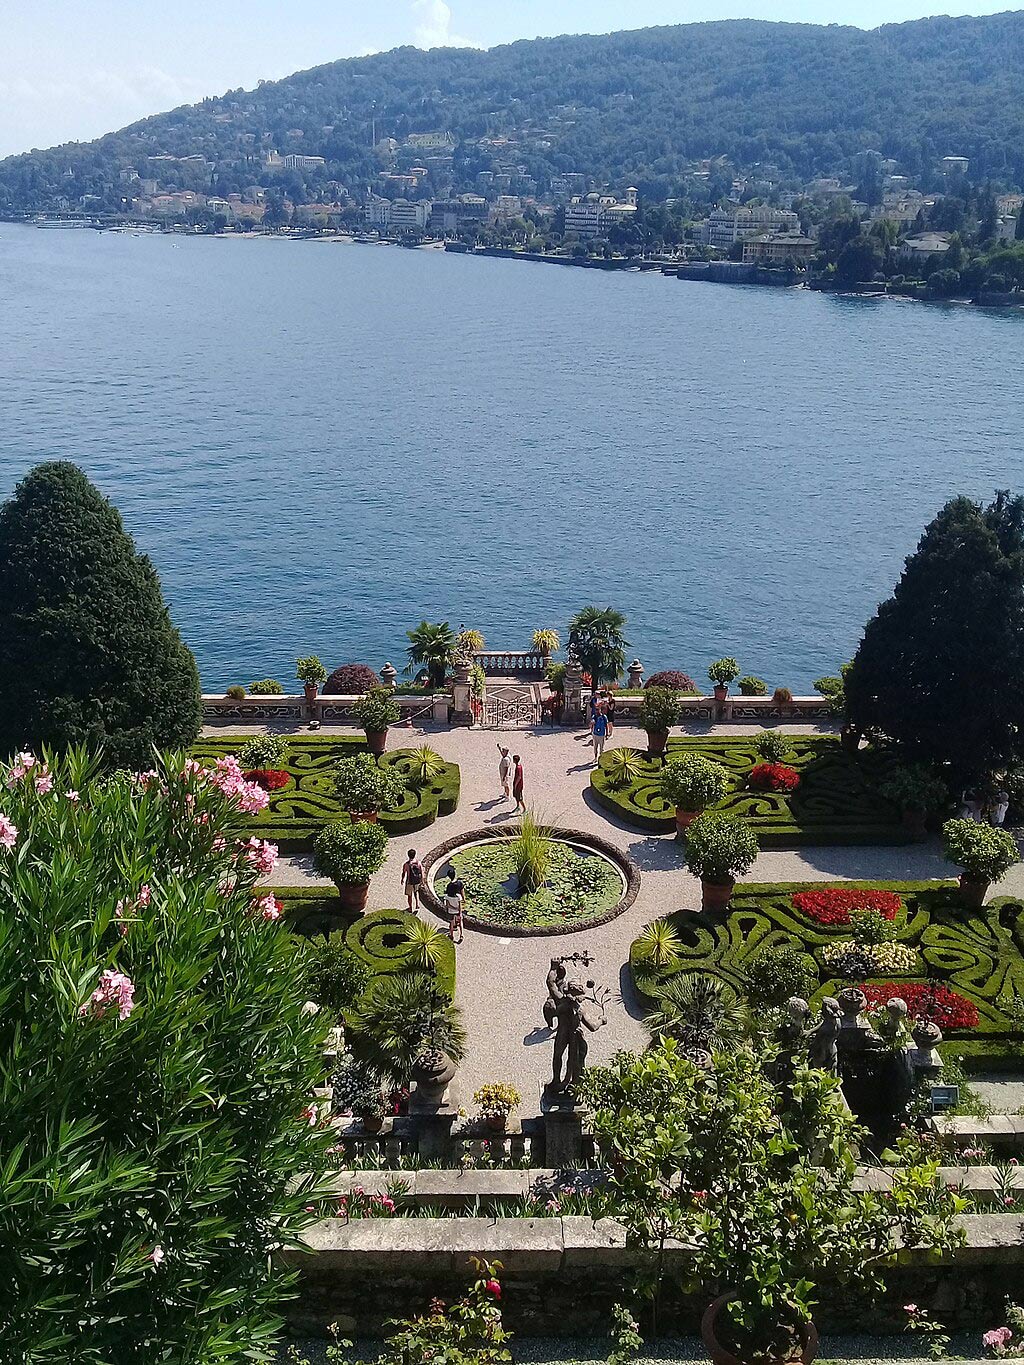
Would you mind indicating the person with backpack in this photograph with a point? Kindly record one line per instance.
(600, 729)
(412, 879)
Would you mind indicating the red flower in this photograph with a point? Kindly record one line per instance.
(493, 1287)
(929, 1001)
(773, 777)
(833, 905)
(270, 779)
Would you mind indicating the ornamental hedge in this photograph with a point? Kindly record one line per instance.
(837, 800)
(978, 954)
(298, 809)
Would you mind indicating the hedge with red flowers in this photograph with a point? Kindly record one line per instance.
(926, 1001)
(773, 777)
(833, 905)
(270, 779)
(969, 964)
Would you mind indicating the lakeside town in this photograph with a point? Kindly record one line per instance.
(937, 236)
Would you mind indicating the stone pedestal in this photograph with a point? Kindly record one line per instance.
(574, 709)
(433, 1130)
(563, 1138)
(462, 692)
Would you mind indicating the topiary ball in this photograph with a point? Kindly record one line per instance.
(674, 679)
(351, 680)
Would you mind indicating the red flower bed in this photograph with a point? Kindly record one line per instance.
(773, 777)
(936, 1003)
(834, 905)
(270, 779)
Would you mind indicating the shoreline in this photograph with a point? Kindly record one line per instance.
(617, 264)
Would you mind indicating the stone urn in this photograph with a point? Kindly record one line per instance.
(927, 1037)
(432, 1072)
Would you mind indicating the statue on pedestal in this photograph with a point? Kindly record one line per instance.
(823, 1051)
(578, 1010)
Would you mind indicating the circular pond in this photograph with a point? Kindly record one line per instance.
(586, 881)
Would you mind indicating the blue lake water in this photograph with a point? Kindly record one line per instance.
(320, 443)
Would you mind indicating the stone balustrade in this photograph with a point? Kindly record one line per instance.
(512, 663)
(331, 710)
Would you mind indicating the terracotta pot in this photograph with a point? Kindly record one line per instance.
(914, 821)
(376, 741)
(721, 691)
(684, 819)
(721, 1356)
(495, 1123)
(372, 1123)
(366, 817)
(849, 740)
(657, 741)
(716, 895)
(973, 893)
(310, 690)
(353, 895)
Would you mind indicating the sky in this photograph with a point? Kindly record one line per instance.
(73, 69)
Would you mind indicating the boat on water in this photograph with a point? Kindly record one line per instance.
(65, 223)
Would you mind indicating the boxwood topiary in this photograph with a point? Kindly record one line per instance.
(362, 784)
(349, 854)
(720, 848)
(693, 782)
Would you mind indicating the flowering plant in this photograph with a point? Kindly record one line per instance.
(857, 961)
(929, 1000)
(467, 1332)
(270, 779)
(497, 1100)
(773, 777)
(834, 905)
(156, 1017)
(1006, 1341)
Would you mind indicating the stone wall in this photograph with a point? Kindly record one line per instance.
(560, 1276)
(329, 710)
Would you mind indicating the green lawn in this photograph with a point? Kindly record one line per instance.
(837, 801)
(297, 810)
(978, 954)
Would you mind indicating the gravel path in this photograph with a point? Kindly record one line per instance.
(500, 981)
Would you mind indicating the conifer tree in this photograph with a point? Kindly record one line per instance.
(941, 664)
(88, 652)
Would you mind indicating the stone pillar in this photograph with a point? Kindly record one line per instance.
(635, 673)
(434, 1133)
(563, 1138)
(439, 712)
(574, 710)
(462, 691)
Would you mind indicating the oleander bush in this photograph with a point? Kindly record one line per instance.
(351, 680)
(156, 1065)
(941, 953)
(837, 800)
(297, 811)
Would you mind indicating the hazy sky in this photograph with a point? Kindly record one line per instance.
(72, 69)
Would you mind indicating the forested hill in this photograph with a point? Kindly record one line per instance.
(625, 107)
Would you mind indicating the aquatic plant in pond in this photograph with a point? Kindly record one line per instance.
(579, 886)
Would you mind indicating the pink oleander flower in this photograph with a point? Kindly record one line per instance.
(22, 765)
(73, 797)
(8, 832)
(145, 780)
(44, 782)
(311, 1115)
(269, 907)
(157, 1255)
(261, 854)
(911, 1308)
(995, 1339)
(115, 991)
(144, 897)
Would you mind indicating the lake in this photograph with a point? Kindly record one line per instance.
(320, 443)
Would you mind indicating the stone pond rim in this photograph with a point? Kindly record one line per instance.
(594, 842)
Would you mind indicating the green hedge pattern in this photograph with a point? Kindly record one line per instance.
(979, 953)
(837, 801)
(297, 810)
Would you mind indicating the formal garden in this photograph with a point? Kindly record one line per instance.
(197, 1051)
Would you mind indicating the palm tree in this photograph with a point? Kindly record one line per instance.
(432, 647)
(399, 1017)
(697, 1011)
(597, 642)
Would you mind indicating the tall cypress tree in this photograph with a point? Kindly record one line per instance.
(940, 669)
(88, 652)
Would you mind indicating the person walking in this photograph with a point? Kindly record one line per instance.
(412, 878)
(517, 783)
(600, 729)
(505, 769)
(455, 904)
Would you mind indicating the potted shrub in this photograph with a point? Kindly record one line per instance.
(311, 673)
(350, 855)
(546, 641)
(771, 746)
(236, 692)
(778, 1219)
(982, 853)
(691, 784)
(719, 848)
(364, 787)
(918, 792)
(752, 687)
(495, 1102)
(659, 711)
(722, 672)
(782, 696)
(374, 713)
